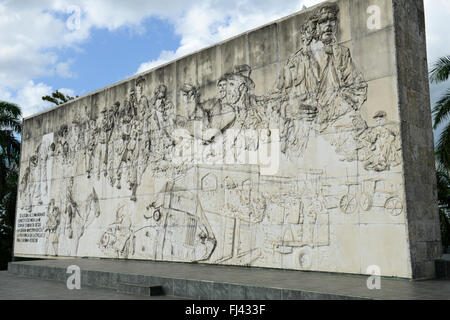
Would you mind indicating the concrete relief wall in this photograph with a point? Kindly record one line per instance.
(279, 148)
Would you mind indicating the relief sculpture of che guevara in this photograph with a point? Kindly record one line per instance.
(136, 139)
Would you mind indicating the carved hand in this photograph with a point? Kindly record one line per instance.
(309, 112)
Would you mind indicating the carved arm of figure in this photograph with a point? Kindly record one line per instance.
(297, 104)
(155, 122)
(353, 88)
(25, 179)
(289, 74)
(221, 117)
(297, 109)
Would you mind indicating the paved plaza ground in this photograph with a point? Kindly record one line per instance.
(20, 288)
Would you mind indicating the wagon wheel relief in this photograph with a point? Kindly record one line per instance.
(394, 206)
(348, 204)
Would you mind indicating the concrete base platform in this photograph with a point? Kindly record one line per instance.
(206, 282)
(23, 288)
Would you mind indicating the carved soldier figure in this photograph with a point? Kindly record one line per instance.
(239, 96)
(121, 138)
(249, 112)
(24, 190)
(118, 239)
(191, 115)
(162, 124)
(71, 209)
(103, 135)
(76, 139)
(129, 110)
(92, 141)
(144, 127)
(222, 115)
(191, 109)
(296, 83)
(384, 146)
(320, 83)
(84, 135)
(134, 171)
(112, 129)
(297, 88)
(144, 111)
(51, 228)
(61, 145)
(35, 175)
(341, 88)
(143, 105)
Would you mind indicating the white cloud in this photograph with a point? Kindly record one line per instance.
(29, 98)
(32, 33)
(207, 22)
(67, 92)
(63, 69)
(437, 14)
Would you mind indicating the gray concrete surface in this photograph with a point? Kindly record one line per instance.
(21, 288)
(207, 282)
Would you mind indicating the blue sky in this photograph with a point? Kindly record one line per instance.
(108, 57)
(79, 46)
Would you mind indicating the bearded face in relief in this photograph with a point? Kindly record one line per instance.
(234, 89)
(327, 25)
(222, 88)
(161, 92)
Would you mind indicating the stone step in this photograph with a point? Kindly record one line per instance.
(140, 289)
(208, 282)
(149, 285)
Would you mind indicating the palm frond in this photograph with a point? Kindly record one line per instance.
(11, 123)
(10, 108)
(9, 147)
(443, 183)
(443, 148)
(441, 112)
(441, 70)
(10, 117)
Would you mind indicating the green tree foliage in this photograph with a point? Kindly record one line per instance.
(10, 128)
(441, 70)
(58, 98)
(441, 115)
(443, 182)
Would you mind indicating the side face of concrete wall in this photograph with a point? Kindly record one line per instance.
(417, 137)
(279, 148)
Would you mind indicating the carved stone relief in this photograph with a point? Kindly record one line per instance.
(52, 228)
(208, 210)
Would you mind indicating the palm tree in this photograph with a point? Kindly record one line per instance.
(10, 127)
(441, 114)
(443, 184)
